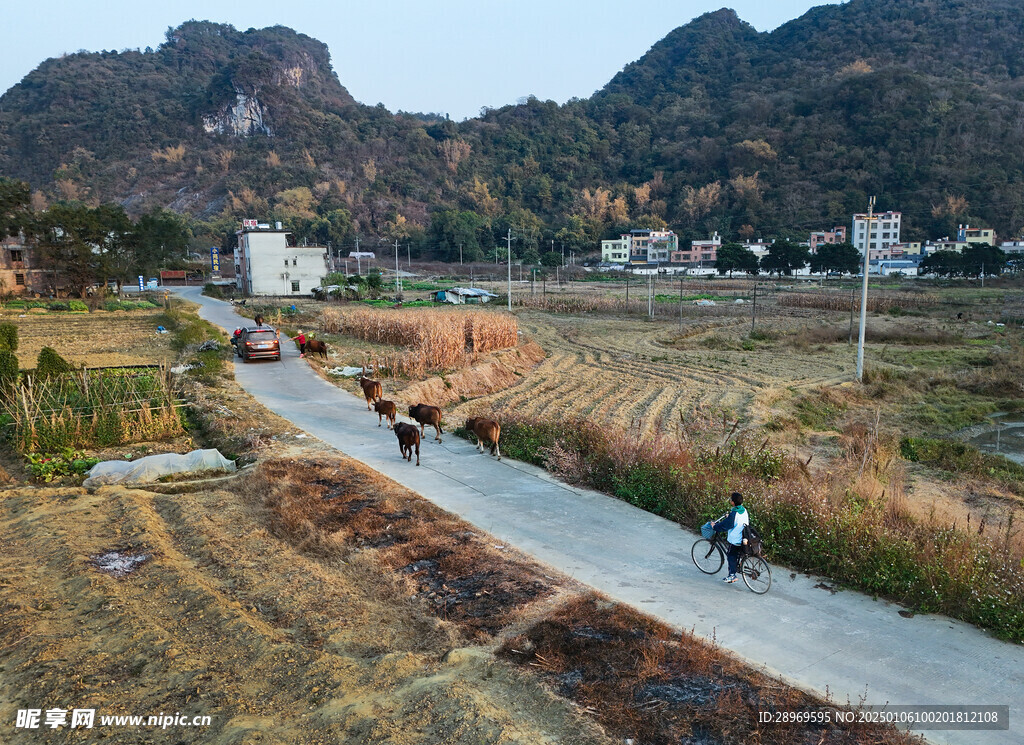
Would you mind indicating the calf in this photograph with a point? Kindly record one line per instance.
(385, 409)
(372, 389)
(259, 320)
(315, 346)
(425, 415)
(485, 429)
(408, 438)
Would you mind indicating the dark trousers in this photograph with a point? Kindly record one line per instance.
(733, 554)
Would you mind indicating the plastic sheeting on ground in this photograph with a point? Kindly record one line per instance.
(153, 467)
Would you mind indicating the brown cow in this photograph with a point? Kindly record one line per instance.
(425, 415)
(372, 389)
(485, 429)
(259, 320)
(315, 346)
(385, 409)
(408, 438)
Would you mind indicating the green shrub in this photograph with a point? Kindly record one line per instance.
(16, 305)
(129, 305)
(57, 305)
(78, 306)
(213, 290)
(145, 305)
(8, 337)
(112, 305)
(8, 373)
(50, 364)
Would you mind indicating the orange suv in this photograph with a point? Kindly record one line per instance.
(258, 343)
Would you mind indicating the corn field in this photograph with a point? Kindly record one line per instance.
(93, 409)
(842, 301)
(434, 339)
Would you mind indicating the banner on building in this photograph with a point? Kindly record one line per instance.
(215, 259)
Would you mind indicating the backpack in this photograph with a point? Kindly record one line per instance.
(755, 545)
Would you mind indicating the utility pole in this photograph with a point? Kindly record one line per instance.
(398, 281)
(460, 253)
(864, 294)
(680, 306)
(753, 312)
(408, 255)
(509, 270)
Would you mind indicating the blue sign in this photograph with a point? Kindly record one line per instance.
(142, 283)
(215, 259)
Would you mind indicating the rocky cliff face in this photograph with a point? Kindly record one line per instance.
(244, 118)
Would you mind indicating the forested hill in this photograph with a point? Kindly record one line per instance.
(717, 127)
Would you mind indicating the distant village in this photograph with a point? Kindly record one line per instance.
(267, 261)
(657, 251)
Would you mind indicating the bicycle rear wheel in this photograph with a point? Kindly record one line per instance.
(757, 575)
(707, 556)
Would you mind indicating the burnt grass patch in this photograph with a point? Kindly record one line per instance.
(332, 507)
(646, 682)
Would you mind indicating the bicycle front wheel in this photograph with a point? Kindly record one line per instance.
(757, 575)
(707, 556)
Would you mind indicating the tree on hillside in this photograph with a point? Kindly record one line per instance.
(15, 209)
(452, 229)
(734, 257)
(836, 257)
(784, 257)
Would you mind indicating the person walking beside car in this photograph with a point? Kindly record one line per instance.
(732, 525)
(301, 339)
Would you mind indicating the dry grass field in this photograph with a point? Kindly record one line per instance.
(99, 339)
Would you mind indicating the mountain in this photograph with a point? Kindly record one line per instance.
(717, 127)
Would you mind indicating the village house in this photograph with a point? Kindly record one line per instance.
(266, 265)
(821, 237)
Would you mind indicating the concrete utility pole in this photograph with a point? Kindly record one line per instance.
(509, 270)
(864, 294)
(398, 281)
(460, 253)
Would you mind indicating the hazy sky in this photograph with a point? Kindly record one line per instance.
(449, 56)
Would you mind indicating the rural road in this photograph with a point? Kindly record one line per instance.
(855, 648)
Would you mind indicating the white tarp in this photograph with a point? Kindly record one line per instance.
(152, 467)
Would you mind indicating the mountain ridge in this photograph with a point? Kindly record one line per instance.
(717, 127)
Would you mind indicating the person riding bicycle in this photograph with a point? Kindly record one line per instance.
(732, 525)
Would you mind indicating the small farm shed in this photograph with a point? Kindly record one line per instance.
(462, 296)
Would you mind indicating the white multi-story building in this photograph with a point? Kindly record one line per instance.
(266, 265)
(885, 230)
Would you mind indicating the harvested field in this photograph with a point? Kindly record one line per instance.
(634, 371)
(93, 339)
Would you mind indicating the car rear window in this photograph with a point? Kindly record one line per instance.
(261, 336)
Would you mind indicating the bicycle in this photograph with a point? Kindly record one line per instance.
(709, 555)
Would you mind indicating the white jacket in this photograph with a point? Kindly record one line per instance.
(735, 535)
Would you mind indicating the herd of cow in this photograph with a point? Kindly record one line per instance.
(486, 430)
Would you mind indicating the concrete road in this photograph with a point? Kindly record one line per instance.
(846, 644)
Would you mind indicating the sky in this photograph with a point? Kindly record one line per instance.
(448, 56)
